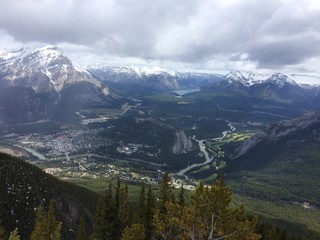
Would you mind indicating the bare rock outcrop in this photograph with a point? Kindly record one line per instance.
(182, 143)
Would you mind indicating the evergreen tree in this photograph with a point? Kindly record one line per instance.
(82, 230)
(14, 235)
(142, 205)
(150, 208)
(51, 220)
(165, 191)
(99, 223)
(111, 214)
(166, 223)
(46, 227)
(117, 228)
(56, 235)
(118, 192)
(123, 213)
(210, 216)
(40, 229)
(181, 197)
(135, 232)
(1, 231)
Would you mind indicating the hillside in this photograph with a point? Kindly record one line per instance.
(281, 163)
(23, 187)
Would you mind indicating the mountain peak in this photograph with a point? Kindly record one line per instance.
(250, 78)
(43, 69)
(247, 78)
(281, 80)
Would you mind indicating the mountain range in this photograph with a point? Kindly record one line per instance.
(36, 82)
(181, 80)
(42, 84)
(237, 84)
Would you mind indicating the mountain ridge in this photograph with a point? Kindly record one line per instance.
(36, 83)
(280, 163)
(278, 131)
(44, 69)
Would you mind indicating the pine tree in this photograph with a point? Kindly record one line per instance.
(118, 192)
(99, 223)
(181, 197)
(210, 216)
(40, 229)
(82, 230)
(117, 228)
(46, 226)
(165, 191)
(150, 208)
(111, 214)
(142, 205)
(14, 235)
(1, 231)
(123, 213)
(51, 220)
(165, 222)
(135, 232)
(56, 235)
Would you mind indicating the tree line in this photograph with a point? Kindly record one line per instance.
(205, 214)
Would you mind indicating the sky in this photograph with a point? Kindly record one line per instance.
(223, 35)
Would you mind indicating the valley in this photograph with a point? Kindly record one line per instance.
(88, 126)
(136, 139)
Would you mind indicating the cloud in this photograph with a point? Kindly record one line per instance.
(275, 34)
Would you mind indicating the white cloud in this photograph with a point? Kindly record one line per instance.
(229, 34)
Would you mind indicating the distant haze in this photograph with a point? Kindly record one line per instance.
(221, 35)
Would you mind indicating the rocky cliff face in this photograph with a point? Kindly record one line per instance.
(182, 143)
(304, 128)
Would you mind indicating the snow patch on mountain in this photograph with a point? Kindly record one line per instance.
(44, 69)
(132, 69)
(251, 78)
(280, 80)
(303, 79)
(246, 78)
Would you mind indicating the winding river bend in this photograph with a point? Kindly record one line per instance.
(202, 147)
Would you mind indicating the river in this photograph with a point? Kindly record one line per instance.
(202, 147)
(33, 152)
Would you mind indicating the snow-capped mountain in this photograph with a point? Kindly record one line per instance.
(246, 78)
(45, 69)
(280, 80)
(37, 84)
(269, 87)
(151, 78)
(306, 79)
(159, 79)
(141, 78)
(251, 78)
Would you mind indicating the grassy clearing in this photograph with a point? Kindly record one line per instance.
(296, 219)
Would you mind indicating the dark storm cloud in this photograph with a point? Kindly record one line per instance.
(285, 52)
(270, 33)
(121, 25)
(291, 36)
